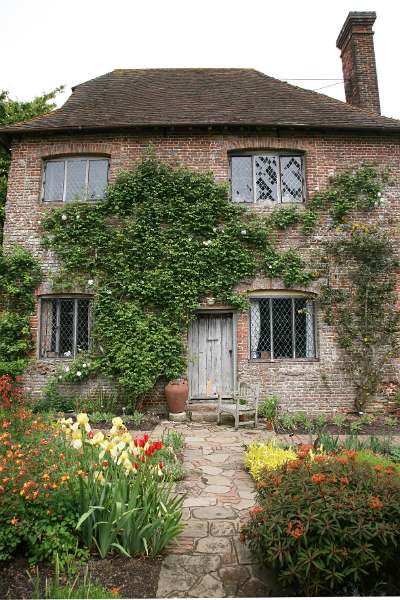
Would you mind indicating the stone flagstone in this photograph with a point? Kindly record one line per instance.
(208, 560)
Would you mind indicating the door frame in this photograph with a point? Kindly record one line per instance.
(216, 312)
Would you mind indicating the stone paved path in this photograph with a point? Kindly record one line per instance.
(208, 560)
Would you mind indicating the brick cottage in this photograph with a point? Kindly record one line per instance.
(276, 143)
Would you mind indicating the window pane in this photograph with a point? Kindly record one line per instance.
(66, 344)
(82, 328)
(291, 178)
(304, 327)
(282, 328)
(260, 329)
(266, 175)
(98, 170)
(242, 179)
(54, 181)
(76, 180)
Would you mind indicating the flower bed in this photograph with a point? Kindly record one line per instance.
(327, 523)
(65, 484)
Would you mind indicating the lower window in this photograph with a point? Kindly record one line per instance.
(65, 327)
(282, 328)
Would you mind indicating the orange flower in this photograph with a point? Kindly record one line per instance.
(295, 529)
(260, 485)
(343, 460)
(318, 478)
(319, 459)
(304, 450)
(294, 464)
(115, 590)
(350, 453)
(255, 511)
(332, 479)
(14, 521)
(378, 468)
(45, 477)
(375, 503)
(64, 478)
(344, 480)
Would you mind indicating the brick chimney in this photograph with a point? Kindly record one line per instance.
(356, 45)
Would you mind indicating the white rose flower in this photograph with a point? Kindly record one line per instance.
(206, 242)
(379, 194)
(214, 229)
(244, 231)
(64, 217)
(66, 369)
(79, 374)
(90, 282)
(84, 365)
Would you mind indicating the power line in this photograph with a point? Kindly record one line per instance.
(327, 86)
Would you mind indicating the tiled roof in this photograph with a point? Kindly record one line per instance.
(179, 97)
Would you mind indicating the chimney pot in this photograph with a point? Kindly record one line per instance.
(356, 44)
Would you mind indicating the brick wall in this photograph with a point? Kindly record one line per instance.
(315, 386)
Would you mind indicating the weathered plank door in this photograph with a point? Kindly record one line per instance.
(210, 351)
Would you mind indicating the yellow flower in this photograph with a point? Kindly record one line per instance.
(117, 422)
(98, 476)
(77, 444)
(96, 439)
(77, 434)
(82, 419)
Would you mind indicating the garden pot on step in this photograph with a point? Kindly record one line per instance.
(177, 393)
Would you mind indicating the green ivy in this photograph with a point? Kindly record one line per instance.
(161, 241)
(19, 276)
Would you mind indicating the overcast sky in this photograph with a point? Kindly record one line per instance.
(45, 43)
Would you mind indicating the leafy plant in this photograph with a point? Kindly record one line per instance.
(261, 456)
(287, 421)
(326, 523)
(328, 443)
(124, 497)
(319, 423)
(339, 420)
(380, 445)
(356, 426)
(68, 582)
(175, 440)
(391, 422)
(268, 408)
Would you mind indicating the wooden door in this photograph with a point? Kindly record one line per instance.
(210, 351)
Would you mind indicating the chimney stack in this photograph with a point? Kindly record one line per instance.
(356, 45)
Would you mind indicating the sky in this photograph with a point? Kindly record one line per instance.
(46, 43)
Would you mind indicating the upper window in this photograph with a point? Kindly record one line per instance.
(282, 328)
(69, 179)
(65, 327)
(267, 178)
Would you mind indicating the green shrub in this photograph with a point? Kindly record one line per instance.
(326, 524)
(339, 420)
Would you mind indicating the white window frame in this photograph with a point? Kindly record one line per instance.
(66, 160)
(75, 298)
(292, 297)
(278, 155)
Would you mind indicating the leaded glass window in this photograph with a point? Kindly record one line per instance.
(267, 178)
(64, 327)
(69, 179)
(282, 327)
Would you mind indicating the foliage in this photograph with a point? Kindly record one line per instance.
(365, 314)
(339, 420)
(36, 515)
(68, 582)
(124, 497)
(19, 277)
(326, 523)
(52, 399)
(174, 238)
(268, 408)
(376, 460)
(260, 457)
(175, 440)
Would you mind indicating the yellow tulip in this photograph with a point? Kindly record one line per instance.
(82, 419)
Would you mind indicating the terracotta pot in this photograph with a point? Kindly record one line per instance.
(177, 393)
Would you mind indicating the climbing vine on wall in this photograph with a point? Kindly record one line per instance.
(360, 299)
(161, 241)
(19, 276)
